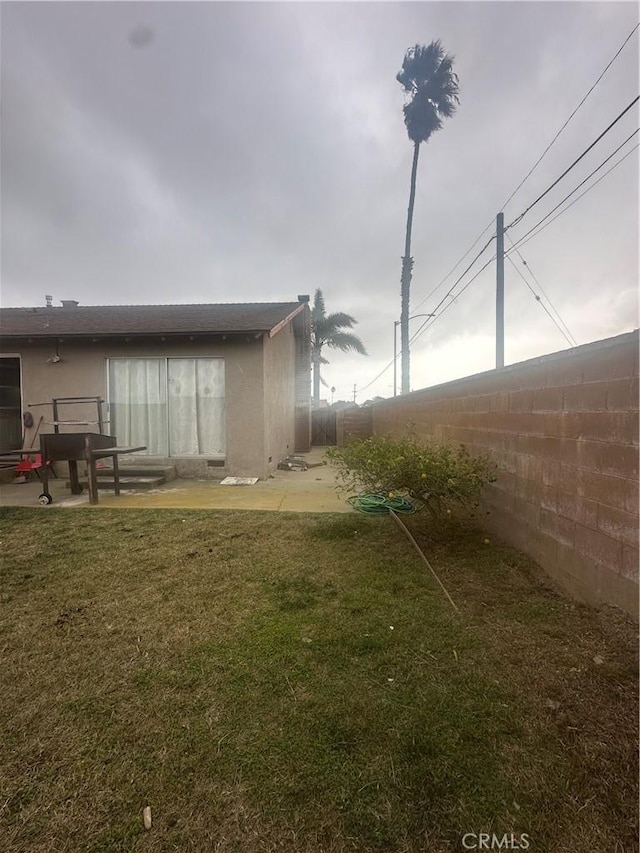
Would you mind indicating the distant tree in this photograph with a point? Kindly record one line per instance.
(428, 80)
(327, 330)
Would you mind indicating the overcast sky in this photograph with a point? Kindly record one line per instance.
(174, 152)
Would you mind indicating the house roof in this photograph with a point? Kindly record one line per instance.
(108, 320)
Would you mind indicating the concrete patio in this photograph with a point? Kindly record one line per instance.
(312, 490)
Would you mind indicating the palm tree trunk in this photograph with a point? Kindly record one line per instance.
(316, 378)
(405, 280)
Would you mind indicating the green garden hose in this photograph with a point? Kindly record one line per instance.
(374, 503)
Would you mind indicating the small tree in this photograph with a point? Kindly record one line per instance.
(327, 330)
(433, 475)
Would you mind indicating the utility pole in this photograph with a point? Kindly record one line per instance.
(354, 392)
(500, 290)
(396, 323)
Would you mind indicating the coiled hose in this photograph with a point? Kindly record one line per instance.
(374, 503)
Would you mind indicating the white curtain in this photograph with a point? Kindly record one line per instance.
(138, 403)
(196, 406)
(173, 406)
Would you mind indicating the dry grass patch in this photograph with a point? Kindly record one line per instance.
(270, 681)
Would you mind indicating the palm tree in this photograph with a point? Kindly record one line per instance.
(327, 330)
(428, 79)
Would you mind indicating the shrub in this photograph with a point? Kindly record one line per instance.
(431, 474)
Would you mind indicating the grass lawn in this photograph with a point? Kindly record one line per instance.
(272, 681)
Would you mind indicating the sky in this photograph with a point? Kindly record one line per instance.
(185, 152)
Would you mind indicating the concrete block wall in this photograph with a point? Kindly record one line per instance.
(563, 430)
(357, 423)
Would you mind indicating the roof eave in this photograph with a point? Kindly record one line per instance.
(23, 336)
(287, 319)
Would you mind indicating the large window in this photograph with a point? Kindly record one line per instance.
(173, 406)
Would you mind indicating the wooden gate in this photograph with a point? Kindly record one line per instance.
(323, 427)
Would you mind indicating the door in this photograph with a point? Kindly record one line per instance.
(10, 404)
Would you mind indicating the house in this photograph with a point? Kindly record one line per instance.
(214, 390)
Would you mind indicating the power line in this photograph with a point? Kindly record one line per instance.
(429, 322)
(530, 172)
(539, 160)
(422, 327)
(572, 343)
(456, 282)
(575, 162)
(525, 238)
(590, 175)
(542, 290)
(427, 325)
(375, 379)
(454, 268)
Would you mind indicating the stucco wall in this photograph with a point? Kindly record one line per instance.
(279, 395)
(83, 371)
(563, 430)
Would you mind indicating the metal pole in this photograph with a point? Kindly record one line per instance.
(500, 290)
(395, 358)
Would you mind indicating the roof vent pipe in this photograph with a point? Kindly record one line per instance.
(69, 303)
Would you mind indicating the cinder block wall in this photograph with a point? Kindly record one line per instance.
(563, 430)
(357, 423)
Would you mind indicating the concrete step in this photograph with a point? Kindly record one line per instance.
(141, 470)
(105, 483)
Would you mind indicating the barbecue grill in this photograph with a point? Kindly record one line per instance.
(77, 447)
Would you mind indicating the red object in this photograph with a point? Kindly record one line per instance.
(29, 464)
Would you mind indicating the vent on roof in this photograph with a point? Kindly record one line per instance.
(303, 298)
(69, 303)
